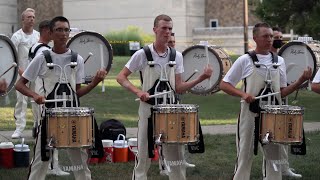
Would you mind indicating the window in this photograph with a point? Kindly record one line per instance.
(213, 23)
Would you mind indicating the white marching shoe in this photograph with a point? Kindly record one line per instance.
(57, 171)
(16, 135)
(289, 173)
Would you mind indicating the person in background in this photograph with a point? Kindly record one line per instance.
(23, 40)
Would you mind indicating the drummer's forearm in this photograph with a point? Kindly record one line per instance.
(289, 89)
(23, 89)
(230, 89)
(83, 90)
(315, 87)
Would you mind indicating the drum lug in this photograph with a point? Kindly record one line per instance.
(265, 140)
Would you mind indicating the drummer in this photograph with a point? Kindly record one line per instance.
(276, 45)
(60, 54)
(138, 62)
(253, 78)
(3, 86)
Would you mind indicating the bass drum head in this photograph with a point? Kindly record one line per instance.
(86, 43)
(298, 56)
(8, 58)
(194, 61)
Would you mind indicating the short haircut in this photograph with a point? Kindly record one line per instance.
(172, 34)
(44, 24)
(276, 28)
(56, 19)
(27, 10)
(161, 17)
(257, 27)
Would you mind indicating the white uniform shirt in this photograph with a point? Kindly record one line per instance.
(38, 66)
(138, 61)
(23, 42)
(316, 78)
(242, 68)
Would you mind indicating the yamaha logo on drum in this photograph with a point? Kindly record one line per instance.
(290, 128)
(74, 131)
(183, 127)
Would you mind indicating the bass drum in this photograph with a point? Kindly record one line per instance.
(226, 63)
(95, 50)
(298, 56)
(194, 61)
(9, 61)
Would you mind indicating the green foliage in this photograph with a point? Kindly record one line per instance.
(300, 15)
(120, 39)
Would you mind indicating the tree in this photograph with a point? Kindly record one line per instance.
(300, 15)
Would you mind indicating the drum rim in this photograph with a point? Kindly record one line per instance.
(282, 49)
(15, 58)
(104, 40)
(206, 92)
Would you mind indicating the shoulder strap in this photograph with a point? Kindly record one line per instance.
(172, 55)
(147, 51)
(31, 54)
(253, 56)
(74, 57)
(47, 56)
(274, 57)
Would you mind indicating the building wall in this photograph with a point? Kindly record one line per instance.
(228, 12)
(105, 16)
(8, 16)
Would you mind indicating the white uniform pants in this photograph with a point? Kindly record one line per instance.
(20, 111)
(173, 153)
(38, 168)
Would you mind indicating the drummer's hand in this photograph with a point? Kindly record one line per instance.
(100, 75)
(207, 72)
(143, 96)
(39, 99)
(248, 98)
(306, 75)
(3, 86)
(20, 71)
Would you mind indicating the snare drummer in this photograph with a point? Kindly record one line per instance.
(160, 54)
(60, 54)
(253, 78)
(276, 45)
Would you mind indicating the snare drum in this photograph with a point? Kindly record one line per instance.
(176, 123)
(298, 56)
(194, 61)
(283, 123)
(8, 59)
(86, 43)
(70, 127)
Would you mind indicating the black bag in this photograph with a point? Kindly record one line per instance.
(110, 129)
(197, 147)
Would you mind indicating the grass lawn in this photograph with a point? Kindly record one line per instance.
(216, 163)
(118, 103)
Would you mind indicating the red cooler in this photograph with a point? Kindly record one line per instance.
(6, 155)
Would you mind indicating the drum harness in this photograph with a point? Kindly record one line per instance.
(162, 88)
(266, 92)
(64, 87)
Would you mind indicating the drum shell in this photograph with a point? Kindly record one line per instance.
(178, 123)
(284, 126)
(70, 127)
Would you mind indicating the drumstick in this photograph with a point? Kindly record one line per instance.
(13, 65)
(102, 66)
(90, 54)
(52, 100)
(155, 95)
(194, 72)
(263, 96)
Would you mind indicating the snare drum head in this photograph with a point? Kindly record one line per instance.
(88, 42)
(297, 56)
(8, 58)
(194, 61)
